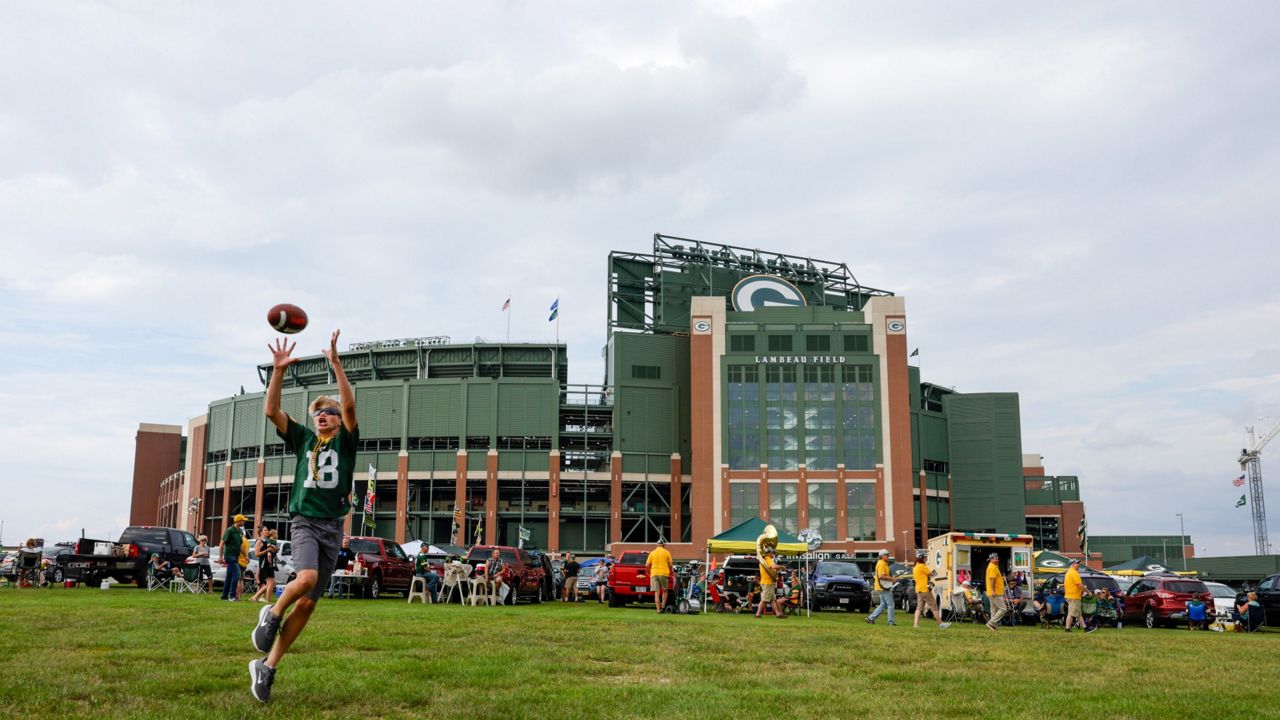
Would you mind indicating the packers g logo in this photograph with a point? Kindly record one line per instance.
(758, 291)
(1052, 562)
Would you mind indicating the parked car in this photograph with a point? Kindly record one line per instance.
(126, 560)
(1092, 579)
(53, 554)
(524, 575)
(548, 573)
(285, 572)
(9, 566)
(1269, 597)
(840, 584)
(385, 563)
(1224, 598)
(1160, 600)
(587, 578)
(629, 581)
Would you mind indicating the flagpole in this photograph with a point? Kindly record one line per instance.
(508, 318)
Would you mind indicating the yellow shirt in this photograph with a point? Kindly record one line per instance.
(1072, 585)
(995, 581)
(768, 572)
(921, 572)
(659, 563)
(882, 568)
(243, 560)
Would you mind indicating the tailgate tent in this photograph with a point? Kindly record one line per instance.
(1048, 562)
(1139, 566)
(741, 538)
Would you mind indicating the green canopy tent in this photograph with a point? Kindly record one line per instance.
(741, 538)
(1139, 566)
(1050, 563)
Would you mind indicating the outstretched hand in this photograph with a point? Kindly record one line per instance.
(280, 358)
(332, 351)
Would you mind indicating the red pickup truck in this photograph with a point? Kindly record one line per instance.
(629, 581)
(524, 574)
(386, 565)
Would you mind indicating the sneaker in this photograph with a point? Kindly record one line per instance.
(260, 679)
(264, 633)
(991, 627)
(1090, 629)
(944, 626)
(891, 623)
(870, 621)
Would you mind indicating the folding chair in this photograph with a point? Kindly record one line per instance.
(157, 582)
(189, 581)
(29, 568)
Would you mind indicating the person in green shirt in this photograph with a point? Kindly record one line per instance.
(232, 539)
(320, 500)
(422, 568)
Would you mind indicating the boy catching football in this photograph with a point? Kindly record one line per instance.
(317, 507)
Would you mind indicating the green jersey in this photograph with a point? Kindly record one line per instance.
(232, 539)
(324, 494)
(423, 562)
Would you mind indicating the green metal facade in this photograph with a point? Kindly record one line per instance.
(1116, 549)
(985, 442)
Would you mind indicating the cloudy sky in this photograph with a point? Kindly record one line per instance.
(1077, 200)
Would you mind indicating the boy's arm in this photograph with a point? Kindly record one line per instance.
(345, 395)
(280, 361)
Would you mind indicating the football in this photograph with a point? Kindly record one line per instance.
(286, 318)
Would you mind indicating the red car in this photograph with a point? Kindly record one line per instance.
(1162, 600)
(629, 581)
(386, 565)
(524, 574)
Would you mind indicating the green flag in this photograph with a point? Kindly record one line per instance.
(1240, 502)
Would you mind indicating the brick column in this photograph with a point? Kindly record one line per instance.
(677, 519)
(726, 512)
(257, 496)
(402, 495)
(553, 501)
(802, 498)
(226, 496)
(924, 510)
(842, 505)
(491, 497)
(460, 496)
(764, 493)
(615, 497)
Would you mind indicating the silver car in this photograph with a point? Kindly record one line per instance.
(284, 568)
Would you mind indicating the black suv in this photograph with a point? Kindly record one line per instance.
(840, 584)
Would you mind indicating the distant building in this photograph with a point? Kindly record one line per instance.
(739, 383)
(1116, 549)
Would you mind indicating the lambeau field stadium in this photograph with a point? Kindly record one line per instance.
(738, 383)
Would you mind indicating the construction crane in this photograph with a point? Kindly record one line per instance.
(1251, 463)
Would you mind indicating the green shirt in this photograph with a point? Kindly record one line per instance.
(232, 539)
(424, 562)
(326, 496)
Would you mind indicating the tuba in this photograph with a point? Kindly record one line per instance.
(768, 540)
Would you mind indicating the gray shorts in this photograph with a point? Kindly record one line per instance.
(315, 544)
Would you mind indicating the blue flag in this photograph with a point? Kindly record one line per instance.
(555, 310)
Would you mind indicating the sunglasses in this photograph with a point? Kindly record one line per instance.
(327, 411)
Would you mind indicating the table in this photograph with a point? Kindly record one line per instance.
(343, 580)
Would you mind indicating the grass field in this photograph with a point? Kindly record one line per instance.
(127, 653)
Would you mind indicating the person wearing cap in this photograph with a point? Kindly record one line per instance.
(995, 592)
(201, 556)
(232, 540)
(659, 567)
(923, 576)
(883, 579)
(1073, 590)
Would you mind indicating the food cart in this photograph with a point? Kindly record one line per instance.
(959, 556)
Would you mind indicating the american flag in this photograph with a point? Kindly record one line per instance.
(1238, 482)
(506, 304)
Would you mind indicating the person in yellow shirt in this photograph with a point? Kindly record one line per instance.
(659, 567)
(995, 591)
(769, 586)
(923, 576)
(1073, 591)
(883, 580)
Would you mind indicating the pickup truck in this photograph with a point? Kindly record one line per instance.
(629, 581)
(386, 565)
(94, 560)
(525, 574)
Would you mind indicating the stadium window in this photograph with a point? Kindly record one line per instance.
(378, 444)
(646, 372)
(744, 501)
(477, 442)
(274, 450)
(817, 343)
(779, 343)
(742, 343)
(447, 442)
(216, 456)
(857, 343)
(860, 511)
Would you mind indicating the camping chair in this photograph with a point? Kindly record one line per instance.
(29, 574)
(189, 579)
(723, 602)
(157, 580)
(1197, 618)
(1055, 611)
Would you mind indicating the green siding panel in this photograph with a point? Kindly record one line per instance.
(247, 423)
(220, 426)
(435, 409)
(378, 411)
(985, 444)
(529, 407)
(480, 396)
